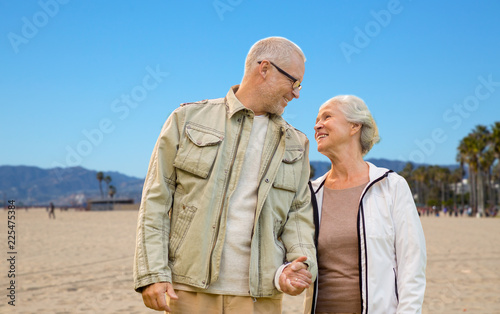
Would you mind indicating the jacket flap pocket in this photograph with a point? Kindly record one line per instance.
(202, 137)
(290, 171)
(294, 155)
(198, 150)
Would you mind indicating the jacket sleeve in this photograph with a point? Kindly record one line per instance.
(410, 250)
(298, 232)
(153, 226)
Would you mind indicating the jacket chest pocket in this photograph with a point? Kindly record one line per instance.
(198, 150)
(290, 170)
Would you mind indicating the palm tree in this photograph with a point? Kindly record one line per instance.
(496, 180)
(481, 135)
(407, 173)
(495, 147)
(467, 147)
(487, 160)
(456, 177)
(472, 150)
(112, 191)
(100, 177)
(495, 139)
(460, 159)
(419, 176)
(467, 157)
(107, 179)
(442, 177)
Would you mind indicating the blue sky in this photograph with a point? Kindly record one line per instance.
(90, 83)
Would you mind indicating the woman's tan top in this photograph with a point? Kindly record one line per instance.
(338, 290)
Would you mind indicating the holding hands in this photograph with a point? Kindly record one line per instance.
(295, 278)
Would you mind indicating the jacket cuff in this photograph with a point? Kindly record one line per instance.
(148, 280)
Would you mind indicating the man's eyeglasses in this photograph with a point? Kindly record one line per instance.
(296, 84)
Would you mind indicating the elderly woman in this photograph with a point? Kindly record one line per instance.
(371, 246)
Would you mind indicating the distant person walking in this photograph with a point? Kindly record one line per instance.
(51, 211)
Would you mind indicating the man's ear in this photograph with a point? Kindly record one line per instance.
(264, 68)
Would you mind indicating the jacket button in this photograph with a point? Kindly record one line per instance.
(267, 180)
(203, 282)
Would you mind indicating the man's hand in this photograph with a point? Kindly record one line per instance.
(295, 277)
(154, 296)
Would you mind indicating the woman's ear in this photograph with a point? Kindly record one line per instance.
(355, 127)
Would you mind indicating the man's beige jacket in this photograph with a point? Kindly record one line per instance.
(192, 174)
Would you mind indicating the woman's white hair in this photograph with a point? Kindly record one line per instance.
(276, 49)
(356, 111)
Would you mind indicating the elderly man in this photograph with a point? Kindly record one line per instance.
(225, 204)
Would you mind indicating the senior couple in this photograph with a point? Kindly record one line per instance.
(229, 220)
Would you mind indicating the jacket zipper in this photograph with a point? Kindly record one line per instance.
(223, 202)
(396, 284)
(267, 167)
(361, 217)
(253, 229)
(274, 152)
(313, 192)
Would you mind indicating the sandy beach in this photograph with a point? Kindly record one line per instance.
(81, 262)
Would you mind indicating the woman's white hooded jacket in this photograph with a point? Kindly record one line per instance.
(392, 254)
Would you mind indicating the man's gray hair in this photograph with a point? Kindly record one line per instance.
(356, 111)
(276, 49)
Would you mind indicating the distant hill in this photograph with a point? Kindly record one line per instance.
(321, 167)
(73, 186)
(63, 186)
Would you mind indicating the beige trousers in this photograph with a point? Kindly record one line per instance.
(197, 302)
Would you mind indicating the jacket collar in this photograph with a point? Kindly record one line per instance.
(233, 105)
(375, 172)
(316, 184)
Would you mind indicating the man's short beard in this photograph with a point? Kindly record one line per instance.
(272, 105)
